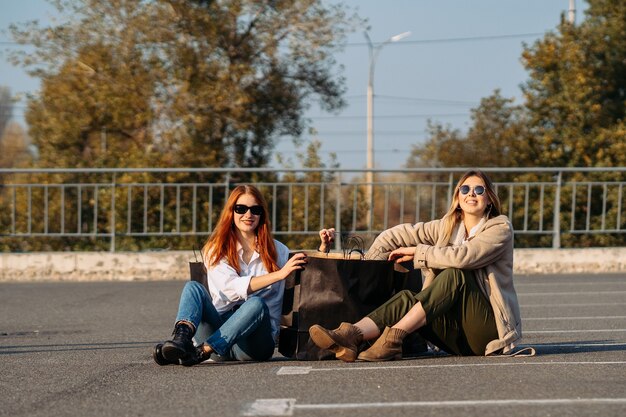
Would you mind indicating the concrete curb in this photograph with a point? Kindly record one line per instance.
(173, 265)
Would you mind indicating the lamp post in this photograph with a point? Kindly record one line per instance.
(374, 50)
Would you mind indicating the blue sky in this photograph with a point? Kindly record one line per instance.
(458, 52)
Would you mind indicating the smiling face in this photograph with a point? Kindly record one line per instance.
(247, 222)
(471, 203)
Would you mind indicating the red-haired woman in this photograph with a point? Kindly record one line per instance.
(239, 319)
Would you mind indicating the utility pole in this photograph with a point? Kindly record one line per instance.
(572, 12)
(374, 50)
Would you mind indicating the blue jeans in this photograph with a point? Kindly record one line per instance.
(243, 334)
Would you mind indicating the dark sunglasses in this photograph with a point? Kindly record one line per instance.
(478, 190)
(242, 208)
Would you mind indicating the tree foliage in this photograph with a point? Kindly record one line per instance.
(6, 108)
(14, 152)
(179, 82)
(494, 138)
(573, 109)
(576, 95)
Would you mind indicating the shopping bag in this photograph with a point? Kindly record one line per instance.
(331, 288)
(197, 270)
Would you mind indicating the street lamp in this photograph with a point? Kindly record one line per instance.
(374, 50)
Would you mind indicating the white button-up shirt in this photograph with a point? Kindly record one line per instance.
(229, 289)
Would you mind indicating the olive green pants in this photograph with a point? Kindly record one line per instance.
(459, 318)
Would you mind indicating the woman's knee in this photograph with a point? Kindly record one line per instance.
(257, 304)
(193, 286)
(451, 275)
(195, 289)
(406, 296)
(450, 272)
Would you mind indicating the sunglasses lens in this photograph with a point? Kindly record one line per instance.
(478, 190)
(242, 208)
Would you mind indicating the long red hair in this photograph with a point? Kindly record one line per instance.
(223, 241)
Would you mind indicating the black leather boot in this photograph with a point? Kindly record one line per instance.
(180, 348)
(157, 355)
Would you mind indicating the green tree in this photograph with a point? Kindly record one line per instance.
(178, 82)
(14, 152)
(573, 110)
(496, 134)
(575, 97)
(95, 112)
(6, 108)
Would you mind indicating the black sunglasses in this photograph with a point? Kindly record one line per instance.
(478, 190)
(242, 208)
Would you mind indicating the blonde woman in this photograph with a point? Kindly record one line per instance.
(468, 305)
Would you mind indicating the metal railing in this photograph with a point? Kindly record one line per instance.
(584, 205)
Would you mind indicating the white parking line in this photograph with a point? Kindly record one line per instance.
(583, 345)
(574, 305)
(560, 284)
(305, 370)
(574, 318)
(571, 293)
(527, 332)
(287, 406)
(294, 370)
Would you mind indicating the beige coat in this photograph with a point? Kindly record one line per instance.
(489, 253)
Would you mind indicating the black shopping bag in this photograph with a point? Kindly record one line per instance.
(330, 289)
(197, 271)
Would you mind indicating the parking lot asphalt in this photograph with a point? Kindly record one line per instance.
(69, 349)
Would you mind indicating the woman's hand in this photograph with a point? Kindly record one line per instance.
(402, 254)
(295, 263)
(327, 236)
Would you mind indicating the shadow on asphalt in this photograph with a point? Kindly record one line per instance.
(585, 346)
(17, 349)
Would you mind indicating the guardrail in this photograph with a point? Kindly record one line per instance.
(147, 208)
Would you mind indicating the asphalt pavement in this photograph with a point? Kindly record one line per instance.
(70, 349)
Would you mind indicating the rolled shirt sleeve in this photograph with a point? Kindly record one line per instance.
(227, 287)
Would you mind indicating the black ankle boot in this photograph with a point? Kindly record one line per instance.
(180, 348)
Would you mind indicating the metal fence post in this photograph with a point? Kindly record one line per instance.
(370, 201)
(450, 188)
(338, 215)
(556, 234)
(226, 186)
(112, 249)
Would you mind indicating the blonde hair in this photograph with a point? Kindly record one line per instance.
(455, 215)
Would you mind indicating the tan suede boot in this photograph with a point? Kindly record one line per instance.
(387, 347)
(344, 341)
